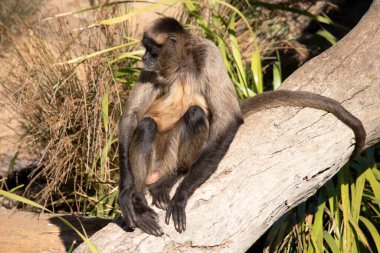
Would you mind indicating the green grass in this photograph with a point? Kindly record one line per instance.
(71, 103)
(346, 217)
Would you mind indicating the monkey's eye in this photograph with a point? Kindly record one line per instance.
(151, 51)
(173, 38)
(147, 47)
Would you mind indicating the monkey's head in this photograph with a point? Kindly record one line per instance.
(165, 41)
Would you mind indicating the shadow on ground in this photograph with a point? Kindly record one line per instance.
(71, 239)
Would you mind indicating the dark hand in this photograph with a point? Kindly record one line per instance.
(147, 221)
(136, 213)
(127, 209)
(161, 197)
(177, 208)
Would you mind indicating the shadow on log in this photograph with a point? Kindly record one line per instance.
(279, 157)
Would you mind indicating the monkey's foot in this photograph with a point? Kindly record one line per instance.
(147, 221)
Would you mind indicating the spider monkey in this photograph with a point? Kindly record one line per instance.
(180, 119)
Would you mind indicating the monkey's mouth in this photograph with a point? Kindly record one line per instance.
(149, 66)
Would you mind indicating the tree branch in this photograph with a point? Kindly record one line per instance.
(279, 157)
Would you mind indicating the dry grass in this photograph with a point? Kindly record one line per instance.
(69, 113)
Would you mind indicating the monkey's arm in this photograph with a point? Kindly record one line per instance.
(224, 123)
(140, 98)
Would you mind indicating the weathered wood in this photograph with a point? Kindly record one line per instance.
(279, 157)
(22, 231)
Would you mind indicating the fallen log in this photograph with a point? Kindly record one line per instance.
(279, 158)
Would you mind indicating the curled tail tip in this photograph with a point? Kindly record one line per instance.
(360, 138)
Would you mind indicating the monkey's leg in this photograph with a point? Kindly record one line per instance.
(194, 134)
(141, 153)
(202, 168)
(185, 142)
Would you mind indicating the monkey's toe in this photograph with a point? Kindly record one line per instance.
(148, 223)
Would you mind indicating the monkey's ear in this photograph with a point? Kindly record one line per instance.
(172, 38)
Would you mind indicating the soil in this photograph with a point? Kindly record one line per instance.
(22, 232)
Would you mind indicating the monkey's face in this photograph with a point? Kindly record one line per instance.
(150, 57)
(167, 53)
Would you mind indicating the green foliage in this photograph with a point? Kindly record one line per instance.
(220, 28)
(69, 114)
(277, 72)
(327, 35)
(124, 55)
(285, 7)
(71, 103)
(346, 217)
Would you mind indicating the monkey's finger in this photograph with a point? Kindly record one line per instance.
(177, 220)
(166, 201)
(149, 221)
(129, 221)
(151, 227)
(168, 214)
(131, 215)
(154, 216)
(183, 220)
(154, 202)
(146, 227)
(157, 230)
(157, 202)
(163, 204)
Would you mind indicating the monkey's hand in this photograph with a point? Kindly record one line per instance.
(161, 198)
(177, 208)
(126, 206)
(136, 213)
(147, 221)
(160, 190)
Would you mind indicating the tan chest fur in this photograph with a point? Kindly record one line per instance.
(168, 109)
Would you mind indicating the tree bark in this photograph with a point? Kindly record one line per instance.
(279, 158)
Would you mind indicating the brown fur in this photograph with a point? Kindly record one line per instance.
(182, 116)
(279, 98)
(182, 85)
(172, 105)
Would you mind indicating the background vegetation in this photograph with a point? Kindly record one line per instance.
(68, 89)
